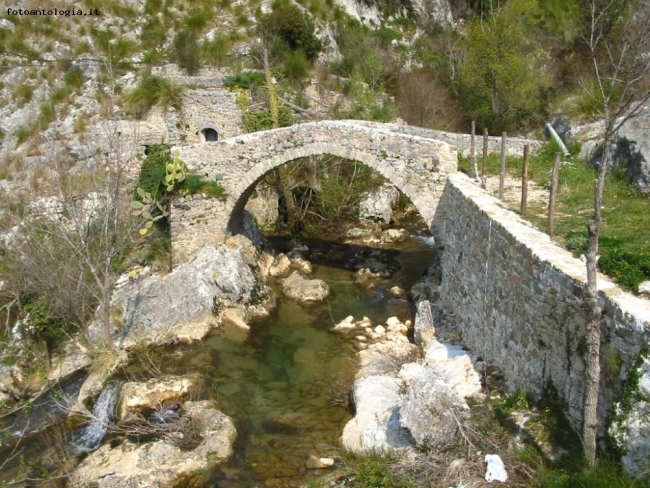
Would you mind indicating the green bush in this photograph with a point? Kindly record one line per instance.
(47, 114)
(185, 51)
(294, 29)
(296, 66)
(23, 93)
(197, 19)
(49, 329)
(627, 269)
(74, 77)
(153, 34)
(152, 170)
(194, 184)
(261, 119)
(215, 52)
(245, 80)
(152, 91)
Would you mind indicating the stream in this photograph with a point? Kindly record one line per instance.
(286, 383)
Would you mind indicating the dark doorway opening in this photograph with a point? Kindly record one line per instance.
(210, 135)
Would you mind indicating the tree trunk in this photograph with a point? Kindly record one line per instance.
(592, 333)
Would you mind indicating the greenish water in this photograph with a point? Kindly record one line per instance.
(286, 382)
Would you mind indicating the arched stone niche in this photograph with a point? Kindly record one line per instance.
(208, 133)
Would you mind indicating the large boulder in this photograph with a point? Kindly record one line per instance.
(631, 151)
(376, 426)
(149, 395)
(184, 303)
(281, 266)
(378, 205)
(431, 410)
(161, 463)
(386, 357)
(302, 290)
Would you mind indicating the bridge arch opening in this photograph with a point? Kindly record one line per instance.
(322, 187)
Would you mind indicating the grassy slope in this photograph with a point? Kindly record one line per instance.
(625, 234)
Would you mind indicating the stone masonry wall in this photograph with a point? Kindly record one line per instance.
(517, 298)
(415, 165)
(195, 223)
(218, 108)
(462, 142)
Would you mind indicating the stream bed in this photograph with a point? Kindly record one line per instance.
(286, 382)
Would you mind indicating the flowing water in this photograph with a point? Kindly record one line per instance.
(286, 382)
(90, 436)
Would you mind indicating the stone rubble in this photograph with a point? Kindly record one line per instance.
(401, 401)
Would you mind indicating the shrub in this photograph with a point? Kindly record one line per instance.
(215, 52)
(74, 77)
(152, 170)
(185, 51)
(296, 66)
(293, 28)
(426, 102)
(194, 184)
(261, 119)
(153, 33)
(49, 329)
(628, 269)
(152, 91)
(23, 94)
(245, 80)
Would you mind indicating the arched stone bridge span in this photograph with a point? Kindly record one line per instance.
(416, 165)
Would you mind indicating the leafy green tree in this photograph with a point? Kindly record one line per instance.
(503, 73)
(293, 29)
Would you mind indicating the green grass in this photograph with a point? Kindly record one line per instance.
(153, 91)
(625, 233)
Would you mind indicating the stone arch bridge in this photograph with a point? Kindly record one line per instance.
(417, 165)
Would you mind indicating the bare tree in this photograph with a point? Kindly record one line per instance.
(618, 40)
(69, 244)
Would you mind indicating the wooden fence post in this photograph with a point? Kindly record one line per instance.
(485, 157)
(472, 152)
(524, 181)
(502, 172)
(552, 197)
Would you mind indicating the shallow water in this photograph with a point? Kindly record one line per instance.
(286, 383)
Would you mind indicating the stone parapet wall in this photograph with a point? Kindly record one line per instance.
(517, 299)
(462, 142)
(208, 77)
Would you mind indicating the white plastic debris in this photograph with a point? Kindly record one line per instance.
(496, 470)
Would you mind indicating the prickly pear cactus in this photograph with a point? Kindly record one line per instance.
(175, 172)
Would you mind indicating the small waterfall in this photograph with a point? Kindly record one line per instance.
(92, 434)
(428, 240)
